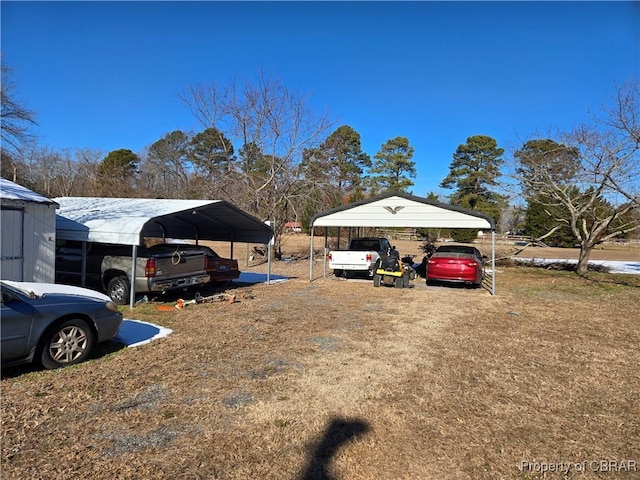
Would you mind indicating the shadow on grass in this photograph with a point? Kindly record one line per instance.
(18, 370)
(487, 282)
(100, 350)
(106, 348)
(246, 279)
(461, 285)
(339, 432)
(611, 279)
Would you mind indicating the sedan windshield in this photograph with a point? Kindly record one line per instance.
(455, 249)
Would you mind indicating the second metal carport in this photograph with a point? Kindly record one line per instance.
(127, 221)
(399, 209)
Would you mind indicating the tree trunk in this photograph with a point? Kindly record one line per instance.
(583, 258)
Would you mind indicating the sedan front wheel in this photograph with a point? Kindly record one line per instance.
(66, 344)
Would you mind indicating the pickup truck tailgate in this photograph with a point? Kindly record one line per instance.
(179, 262)
(347, 259)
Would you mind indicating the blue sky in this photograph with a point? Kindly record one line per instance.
(106, 75)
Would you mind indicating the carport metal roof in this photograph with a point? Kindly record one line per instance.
(128, 220)
(399, 209)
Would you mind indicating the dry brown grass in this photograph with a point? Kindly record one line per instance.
(338, 379)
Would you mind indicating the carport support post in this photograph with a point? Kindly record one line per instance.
(311, 256)
(83, 265)
(269, 264)
(493, 262)
(324, 264)
(271, 242)
(132, 291)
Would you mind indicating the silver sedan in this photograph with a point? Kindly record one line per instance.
(53, 325)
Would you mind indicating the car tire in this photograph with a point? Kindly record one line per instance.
(372, 271)
(478, 284)
(338, 272)
(119, 289)
(66, 344)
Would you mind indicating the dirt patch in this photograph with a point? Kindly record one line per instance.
(339, 379)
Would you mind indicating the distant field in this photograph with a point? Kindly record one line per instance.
(299, 244)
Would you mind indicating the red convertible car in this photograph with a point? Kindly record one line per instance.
(456, 263)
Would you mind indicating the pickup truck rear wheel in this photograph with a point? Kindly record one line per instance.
(338, 272)
(372, 271)
(118, 290)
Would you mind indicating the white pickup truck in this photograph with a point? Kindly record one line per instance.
(362, 256)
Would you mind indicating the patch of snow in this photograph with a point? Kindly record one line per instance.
(251, 277)
(133, 333)
(630, 268)
(12, 191)
(44, 288)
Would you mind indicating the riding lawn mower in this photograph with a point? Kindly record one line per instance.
(393, 272)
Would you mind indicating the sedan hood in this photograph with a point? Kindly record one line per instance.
(40, 289)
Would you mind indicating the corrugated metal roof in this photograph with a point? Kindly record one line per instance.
(398, 209)
(128, 220)
(12, 191)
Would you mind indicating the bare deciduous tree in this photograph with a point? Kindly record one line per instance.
(16, 118)
(593, 174)
(272, 126)
(60, 173)
(511, 220)
(15, 123)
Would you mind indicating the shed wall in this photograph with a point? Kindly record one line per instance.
(28, 241)
(11, 265)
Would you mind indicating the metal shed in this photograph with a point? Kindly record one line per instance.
(28, 234)
(127, 221)
(399, 209)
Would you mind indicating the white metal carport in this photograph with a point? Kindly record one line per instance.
(398, 209)
(127, 221)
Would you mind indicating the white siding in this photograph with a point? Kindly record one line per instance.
(30, 236)
(12, 256)
(40, 245)
(28, 224)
